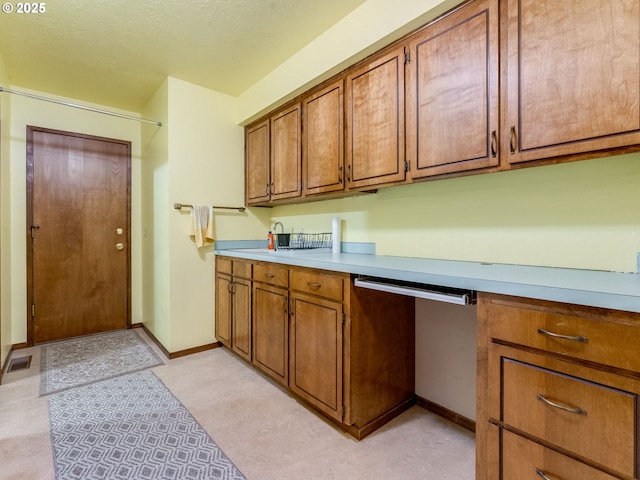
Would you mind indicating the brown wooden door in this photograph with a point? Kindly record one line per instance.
(271, 331)
(375, 122)
(286, 154)
(241, 317)
(223, 309)
(79, 223)
(573, 83)
(323, 145)
(257, 163)
(315, 371)
(452, 93)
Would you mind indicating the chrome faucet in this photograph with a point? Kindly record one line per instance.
(275, 225)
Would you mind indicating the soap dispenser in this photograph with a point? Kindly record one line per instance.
(270, 244)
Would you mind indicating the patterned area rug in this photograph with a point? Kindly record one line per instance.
(131, 427)
(80, 361)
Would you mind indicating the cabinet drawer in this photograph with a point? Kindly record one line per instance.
(271, 274)
(598, 341)
(223, 265)
(317, 283)
(571, 413)
(523, 459)
(242, 269)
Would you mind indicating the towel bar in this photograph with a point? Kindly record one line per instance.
(178, 206)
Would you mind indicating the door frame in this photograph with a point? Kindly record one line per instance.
(30, 174)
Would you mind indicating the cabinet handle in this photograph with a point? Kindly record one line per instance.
(269, 275)
(542, 474)
(314, 285)
(494, 144)
(340, 174)
(513, 140)
(573, 338)
(349, 173)
(566, 408)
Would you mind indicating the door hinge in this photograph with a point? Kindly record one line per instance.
(33, 310)
(407, 58)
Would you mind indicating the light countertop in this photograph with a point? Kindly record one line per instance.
(620, 291)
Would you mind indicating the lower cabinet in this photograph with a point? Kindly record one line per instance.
(316, 354)
(233, 305)
(558, 391)
(271, 331)
(346, 352)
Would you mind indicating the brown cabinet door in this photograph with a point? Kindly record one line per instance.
(285, 153)
(241, 318)
(526, 460)
(257, 163)
(452, 93)
(316, 353)
(271, 331)
(573, 83)
(323, 133)
(375, 121)
(223, 309)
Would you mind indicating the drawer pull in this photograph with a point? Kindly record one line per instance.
(573, 338)
(566, 408)
(314, 285)
(542, 474)
(269, 275)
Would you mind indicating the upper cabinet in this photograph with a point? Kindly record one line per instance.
(323, 140)
(452, 93)
(573, 82)
(375, 121)
(491, 85)
(256, 151)
(272, 158)
(285, 153)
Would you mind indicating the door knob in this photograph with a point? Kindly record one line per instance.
(119, 246)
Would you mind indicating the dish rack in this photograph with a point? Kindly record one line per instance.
(301, 241)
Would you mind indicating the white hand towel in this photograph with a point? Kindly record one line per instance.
(201, 225)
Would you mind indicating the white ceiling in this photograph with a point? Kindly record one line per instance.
(118, 52)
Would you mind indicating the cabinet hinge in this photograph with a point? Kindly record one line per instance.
(407, 58)
(301, 185)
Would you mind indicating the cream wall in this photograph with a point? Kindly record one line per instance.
(206, 165)
(573, 215)
(5, 210)
(198, 158)
(26, 111)
(155, 216)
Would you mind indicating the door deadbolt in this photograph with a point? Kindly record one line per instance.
(119, 246)
(119, 231)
